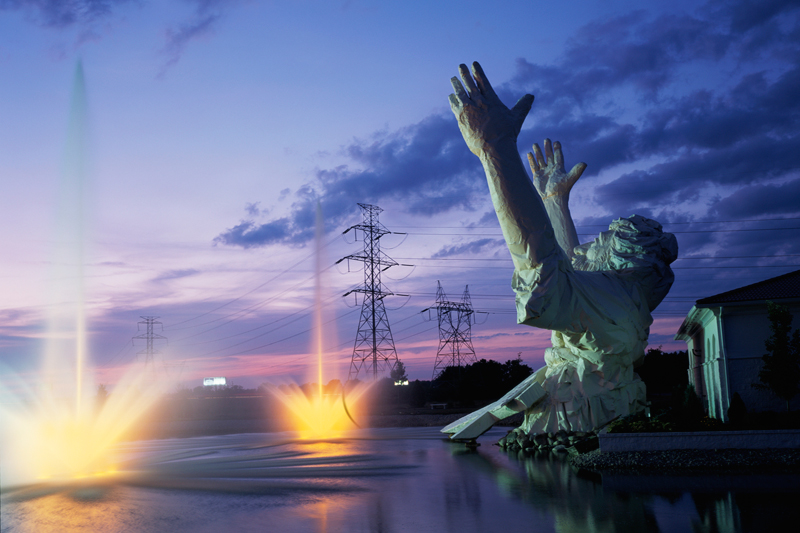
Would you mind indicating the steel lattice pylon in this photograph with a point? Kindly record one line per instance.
(150, 336)
(455, 331)
(374, 349)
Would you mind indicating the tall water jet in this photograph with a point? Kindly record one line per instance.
(318, 309)
(66, 320)
(54, 430)
(321, 413)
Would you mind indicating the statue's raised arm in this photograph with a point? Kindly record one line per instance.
(490, 130)
(554, 183)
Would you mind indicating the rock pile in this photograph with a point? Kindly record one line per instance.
(562, 441)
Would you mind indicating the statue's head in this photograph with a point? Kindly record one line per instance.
(635, 242)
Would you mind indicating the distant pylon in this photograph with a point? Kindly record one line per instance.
(150, 336)
(455, 331)
(374, 350)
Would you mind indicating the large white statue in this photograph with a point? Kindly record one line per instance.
(595, 297)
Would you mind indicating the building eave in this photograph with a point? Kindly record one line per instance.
(745, 303)
(690, 324)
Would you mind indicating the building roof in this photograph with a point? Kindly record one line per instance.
(777, 288)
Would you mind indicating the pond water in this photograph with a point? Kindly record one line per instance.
(385, 480)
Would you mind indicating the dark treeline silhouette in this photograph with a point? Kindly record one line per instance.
(479, 383)
(666, 374)
(458, 387)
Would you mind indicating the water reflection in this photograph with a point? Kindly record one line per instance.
(575, 502)
(390, 480)
(581, 501)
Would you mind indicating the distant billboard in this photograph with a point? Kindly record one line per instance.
(211, 382)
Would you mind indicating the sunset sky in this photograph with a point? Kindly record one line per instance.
(216, 126)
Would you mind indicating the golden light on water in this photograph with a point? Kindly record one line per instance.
(50, 440)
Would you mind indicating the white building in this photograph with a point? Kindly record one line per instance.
(725, 337)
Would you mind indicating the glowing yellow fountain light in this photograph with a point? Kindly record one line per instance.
(46, 438)
(321, 414)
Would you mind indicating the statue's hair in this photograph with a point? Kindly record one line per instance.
(633, 242)
(637, 243)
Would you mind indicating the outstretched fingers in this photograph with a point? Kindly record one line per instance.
(539, 157)
(469, 83)
(482, 82)
(521, 108)
(532, 162)
(460, 93)
(575, 173)
(548, 151)
(559, 155)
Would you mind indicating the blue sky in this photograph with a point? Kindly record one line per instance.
(216, 127)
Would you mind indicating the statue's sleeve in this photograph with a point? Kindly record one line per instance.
(598, 314)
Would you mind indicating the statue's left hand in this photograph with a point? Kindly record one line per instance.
(483, 119)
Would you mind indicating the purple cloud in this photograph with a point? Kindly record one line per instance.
(617, 95)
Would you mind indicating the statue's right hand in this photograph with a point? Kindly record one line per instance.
(549, 174)
(482, 118)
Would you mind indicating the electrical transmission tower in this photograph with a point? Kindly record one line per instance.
(455, 331)
(150, 336)
(374, 350)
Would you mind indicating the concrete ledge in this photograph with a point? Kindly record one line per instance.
(700, 440)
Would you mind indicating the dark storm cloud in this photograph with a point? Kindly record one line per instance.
(747, 15)
(474, 248)
(685, 179)
(740, 134)
(63, 13)
(206, 14)
(617, 95)
(176, 274)
(248, 234)
(424, 165)
(626, 50)
(754, 200)
(774, 247)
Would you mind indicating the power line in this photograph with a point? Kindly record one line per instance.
(302, 312)
(593, 234)
(673, 268)
(289, 269)
(284, 338)
(497, 259)
(248, 309)
(606, 225)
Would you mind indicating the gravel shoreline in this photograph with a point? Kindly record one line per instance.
(690, 461)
